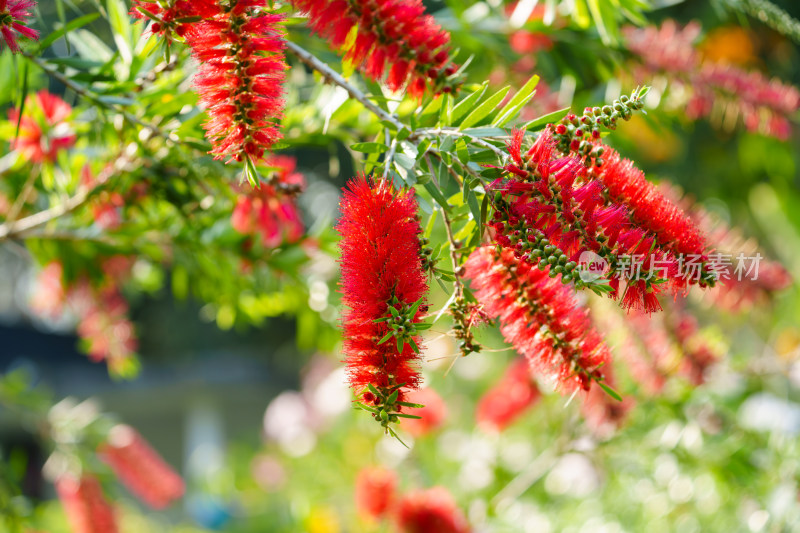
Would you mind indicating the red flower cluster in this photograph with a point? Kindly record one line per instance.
(270, 209)
(240, 78)
(43, 130)
(509, 398)
(550, 213)
(393, 32)
(139, 467)
(648, 207)
(380, 261)
(539, 317)
(430, 511)
(103, 326)
(433, 414)
(763, 104)
(376, 491)
(421, 511)
(14, 15)
(86, 507)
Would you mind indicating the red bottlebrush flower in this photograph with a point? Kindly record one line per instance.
(433, 414)
(86, 507)
(430, 511)
(552, 214)
(668, 48)
(762, 105)
(380, 264)
(539, 317)
(106, 332)
(139, 467)
(270, 209)
(43, 130)
(650, 209)
(105, 328)
(14, 14)
(650, 351)
(509, 398)
(376, 491)
(240, 78)
(528, 42)
(395, 39)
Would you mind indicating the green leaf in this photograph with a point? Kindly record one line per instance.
(409, 404)
(393, 397)
(62, 31)
(437, 195)
(483, 110)
(516, 103)
(611, 392)
(544, 120)
(431, 223)
(446, 112)
(462, 151)
(466, 105)
(369, 148)
(486, 132)
(23, 98)
(413, 345)
(121, 24)
(366, 408)
(404, 415)
(474, 208)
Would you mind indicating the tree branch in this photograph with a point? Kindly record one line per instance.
(17, 228)
(453, 132)
(334, 77)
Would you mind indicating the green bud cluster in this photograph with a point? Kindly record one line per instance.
(461, 312)
(385, 406)
(426, 255)
(401, 323)
(535, 248)
(577, 134)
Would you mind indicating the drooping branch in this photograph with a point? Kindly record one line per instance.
(334, 77)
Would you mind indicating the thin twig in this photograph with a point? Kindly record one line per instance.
(453, 132)
(17, 228)
(27, 189)
(459, 284)
(334, 77)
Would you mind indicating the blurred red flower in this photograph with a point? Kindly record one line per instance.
(43, 129)
(433, 414)
(430, 511)
(140, 468)
(376, 490)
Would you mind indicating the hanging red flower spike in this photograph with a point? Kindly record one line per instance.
(240, 79)
(383, 288)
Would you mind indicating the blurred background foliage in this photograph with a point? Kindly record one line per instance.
(722, 456)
